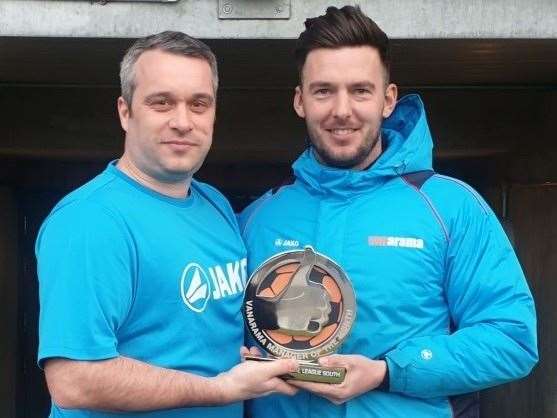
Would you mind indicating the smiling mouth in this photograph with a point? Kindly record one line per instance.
(342, 131)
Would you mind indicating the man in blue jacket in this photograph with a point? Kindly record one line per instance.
(443, 306)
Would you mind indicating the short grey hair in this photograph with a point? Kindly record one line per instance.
(169, 41)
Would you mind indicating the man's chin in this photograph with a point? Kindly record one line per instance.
(345, 161)
(178, 174)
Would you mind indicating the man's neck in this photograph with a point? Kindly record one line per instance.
(179, 189)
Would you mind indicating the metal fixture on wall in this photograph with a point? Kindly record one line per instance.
(254, 9)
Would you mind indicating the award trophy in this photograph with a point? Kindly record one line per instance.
(300, 304)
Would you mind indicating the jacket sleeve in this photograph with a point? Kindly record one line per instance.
(492, 310)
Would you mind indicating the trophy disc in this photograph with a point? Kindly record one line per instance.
(300, 304)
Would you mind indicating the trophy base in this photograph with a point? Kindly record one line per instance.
(310, 371)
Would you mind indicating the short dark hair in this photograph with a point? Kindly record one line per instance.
(169, 41)
(337, 28)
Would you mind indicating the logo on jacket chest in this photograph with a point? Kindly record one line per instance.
(200, 284)
(287, 243)
(402, 242)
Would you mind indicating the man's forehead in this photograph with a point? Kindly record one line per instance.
(345, 56)
(156, 60)
(162, 71)
(347, 64)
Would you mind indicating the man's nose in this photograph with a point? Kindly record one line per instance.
(181, 119)
(342, 107)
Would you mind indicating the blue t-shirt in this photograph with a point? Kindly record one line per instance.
(126, 271)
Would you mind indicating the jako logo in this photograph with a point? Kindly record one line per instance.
(197, 287)
(279, 242)
(405, 242)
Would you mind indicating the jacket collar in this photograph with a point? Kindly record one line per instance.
(408, 148)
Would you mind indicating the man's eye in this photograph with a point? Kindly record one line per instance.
(199, 106)
(361, 91)
(321, 92)
(160, 104)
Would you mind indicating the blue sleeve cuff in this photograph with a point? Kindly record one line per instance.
(397, 363)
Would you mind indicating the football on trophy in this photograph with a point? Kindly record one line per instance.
(275, 283)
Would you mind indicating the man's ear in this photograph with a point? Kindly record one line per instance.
(298, 102)
(124, 112)
(391, 95)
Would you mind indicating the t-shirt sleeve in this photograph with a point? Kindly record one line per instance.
(86, 270)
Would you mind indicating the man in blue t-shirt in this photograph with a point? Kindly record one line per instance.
(141, 270)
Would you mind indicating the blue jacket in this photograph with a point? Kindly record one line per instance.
(440, 293)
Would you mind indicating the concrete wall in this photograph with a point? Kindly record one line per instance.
(8, 303)
(401, 19)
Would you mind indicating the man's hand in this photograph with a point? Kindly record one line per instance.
(362, 375)
(252, 351)
(252, 379)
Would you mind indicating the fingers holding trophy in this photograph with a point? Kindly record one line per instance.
(300, 304)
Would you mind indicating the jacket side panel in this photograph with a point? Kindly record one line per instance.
(488, 300)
